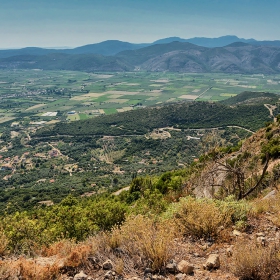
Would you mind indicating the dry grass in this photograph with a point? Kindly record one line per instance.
(271, 205)
(139, 239)
(3, 244)
(28, 270)
(253, 261)
(200, 218)
(73, 254)
(61, 248)
(152, 242)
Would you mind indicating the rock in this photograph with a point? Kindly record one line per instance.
(107, 265)
(204, 247)
(262, 240)
(236, 233)
(158, 277)
(185, 267)
(270, 195)
(229, 251)
(148, 270)
(148, 276)
(213, 262)
(108, 275)
(89, 278)
(171, 267)
(180, 276)
(260, 234)
(80, 276)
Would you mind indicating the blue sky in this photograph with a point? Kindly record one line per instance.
(59, 23)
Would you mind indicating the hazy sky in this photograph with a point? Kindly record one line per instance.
(58, 23)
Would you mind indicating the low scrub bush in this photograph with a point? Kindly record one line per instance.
(200, 218)
(253, 261)
(152, 242)
(238, 211)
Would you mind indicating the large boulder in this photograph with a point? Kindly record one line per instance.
(213, 262)
(81, 276)
(171, 267)
(185, 267)
(107, 265)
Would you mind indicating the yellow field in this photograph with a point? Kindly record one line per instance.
(79, 98)
(93, 94)
(53, 122)
(103, 76)
(161, 81)
(35, 107)
(156, 90)
(186, 96)
(228, 94)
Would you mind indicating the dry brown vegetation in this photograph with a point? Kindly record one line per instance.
(254, 261)
(142, 242)
(201, 219)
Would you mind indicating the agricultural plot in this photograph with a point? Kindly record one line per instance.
(30, 95)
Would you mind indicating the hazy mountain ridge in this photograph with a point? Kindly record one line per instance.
(112, 47)
(175, 57)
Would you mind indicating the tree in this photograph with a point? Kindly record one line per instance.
(235, 174)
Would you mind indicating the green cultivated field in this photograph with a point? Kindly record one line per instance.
(26, 95)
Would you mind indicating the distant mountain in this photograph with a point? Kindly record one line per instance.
(25, 51)
(58, 61)
(156, 52)
(218, 42)
(106, 48)
(174, 57)
(207, 42)
(187, 57)
(112, 47)
(169, 40)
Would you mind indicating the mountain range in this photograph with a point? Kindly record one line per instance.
(176, 56)
(112, 47)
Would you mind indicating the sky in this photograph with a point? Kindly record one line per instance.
(72, 23)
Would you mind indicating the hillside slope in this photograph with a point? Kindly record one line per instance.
(181, 115)
(157, 228)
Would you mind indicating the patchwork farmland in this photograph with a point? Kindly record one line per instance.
(36, 95)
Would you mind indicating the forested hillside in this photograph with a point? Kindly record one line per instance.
(179, 115)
